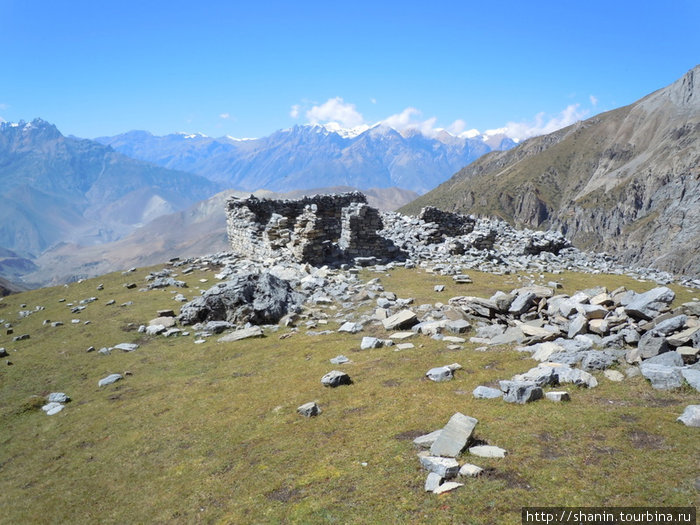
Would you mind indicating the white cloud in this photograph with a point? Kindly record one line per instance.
(294, 112)
(542, 125)
(225, 116)
(335, 110)
(3, 106)
(593, 99)
(373, 100)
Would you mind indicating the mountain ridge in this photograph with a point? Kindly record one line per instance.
(312, 156)
(625, 181)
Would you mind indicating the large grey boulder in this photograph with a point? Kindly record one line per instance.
(520, 391)
(454, 436)
(650, 304)
(674, 324)
(690, 416)
(665, 359)
(250, 298)
(485, 392)
(692, 377)
(651, 345)
(662, 377)
(576, 376)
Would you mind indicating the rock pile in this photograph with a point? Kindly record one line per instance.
(445, 445)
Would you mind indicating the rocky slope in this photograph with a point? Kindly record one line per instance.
(55, 188)
(305, 157)
(625, 182)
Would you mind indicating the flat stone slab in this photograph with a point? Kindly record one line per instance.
(245, 333)
(485, 392)
(690, 416)
(454, 436)
(405, 346)
(339, 360)
(649, 304)
(310, 409)
(427, 440)
(126, 347)
(402, 335)
(336, 378)
(470, 471)
(112, 378)
(447, 487)
(166, 321)
(52, 408)
(488, 451)
(402, 319)
(454, 339)
(432, 482)
(444, 467)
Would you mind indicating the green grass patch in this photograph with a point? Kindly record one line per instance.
(209, 433)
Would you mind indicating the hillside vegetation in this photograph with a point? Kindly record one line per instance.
(209, 432)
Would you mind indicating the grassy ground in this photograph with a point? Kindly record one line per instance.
(209, 433)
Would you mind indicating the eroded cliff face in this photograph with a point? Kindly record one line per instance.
(625, 182)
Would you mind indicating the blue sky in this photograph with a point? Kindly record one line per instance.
(249, 68)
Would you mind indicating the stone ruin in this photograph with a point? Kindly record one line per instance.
(323, 229)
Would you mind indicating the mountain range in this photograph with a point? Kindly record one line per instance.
(313, 156)
(56, 189)
(625, 182)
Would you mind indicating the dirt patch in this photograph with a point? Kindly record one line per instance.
(391, 382)
(548, 447)
(283, 495)
(597, 453)
(645, 441)
(650, 400)
(410, 435)
(512, 479)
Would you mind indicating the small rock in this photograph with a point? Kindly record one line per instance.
(126, 347)
(558, 396)
(244, 333)
(351, 328)
(52, 408)
(339, 360)
(112, 378)
(309, 409)
(444, 467)
(427, 440)
(690, 416)
(439, 374)
(336, 378)
(58, 397)
(402, 319)
(370, 342)
(470, 471)
(439, 288)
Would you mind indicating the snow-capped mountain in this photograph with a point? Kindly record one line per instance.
(314, 156)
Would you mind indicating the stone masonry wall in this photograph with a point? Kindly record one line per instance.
(318, 229)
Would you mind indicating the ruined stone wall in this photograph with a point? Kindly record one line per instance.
(448, 224)
(318, 229)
